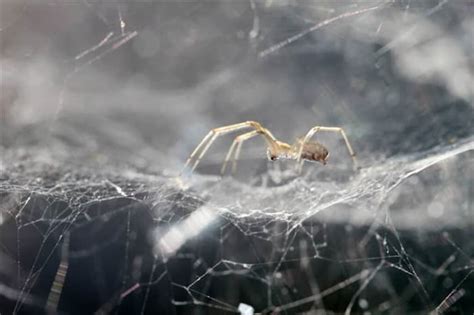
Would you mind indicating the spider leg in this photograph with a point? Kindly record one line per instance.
(207, 141)
(236, 156)
(227, 157)
(312, 131)
(237, 143)
(196, 150)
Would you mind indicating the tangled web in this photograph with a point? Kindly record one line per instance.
(290, 248)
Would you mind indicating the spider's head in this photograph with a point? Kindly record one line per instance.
(274, 155)
(316, 152)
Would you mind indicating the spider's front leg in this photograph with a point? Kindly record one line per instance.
(237, 143)
(207, 141)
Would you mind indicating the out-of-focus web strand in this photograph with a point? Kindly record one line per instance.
(296, 37)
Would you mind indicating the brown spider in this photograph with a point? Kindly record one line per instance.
(301, 150)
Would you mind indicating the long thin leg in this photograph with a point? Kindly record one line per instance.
(312, 131)
(236, 156)
(209, 138)
(204, 145)
(240, 141)
(237, 143)
(196, 150)
(227, 157)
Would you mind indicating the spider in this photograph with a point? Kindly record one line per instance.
(301, 150)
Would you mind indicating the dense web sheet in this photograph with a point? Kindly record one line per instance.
(304, 197)
(71, 201)
(98, 119)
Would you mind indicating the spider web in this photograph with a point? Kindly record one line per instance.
(97, 123)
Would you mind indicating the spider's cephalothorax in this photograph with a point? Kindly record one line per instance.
(302, 150)
(280, 150)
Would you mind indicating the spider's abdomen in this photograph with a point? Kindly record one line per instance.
(314, 151)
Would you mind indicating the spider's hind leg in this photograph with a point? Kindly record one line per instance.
(315, 129)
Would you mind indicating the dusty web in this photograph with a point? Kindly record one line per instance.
(60, 204)
(94, 219)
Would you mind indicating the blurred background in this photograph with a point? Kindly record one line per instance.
(102, 101)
